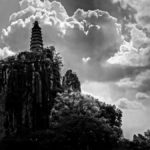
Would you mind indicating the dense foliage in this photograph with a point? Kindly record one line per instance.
(78, 122)
(139, 142)
(84, 122)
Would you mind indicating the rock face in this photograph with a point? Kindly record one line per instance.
(29, 83)
(71, 82)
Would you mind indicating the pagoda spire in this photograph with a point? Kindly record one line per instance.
(36, 43)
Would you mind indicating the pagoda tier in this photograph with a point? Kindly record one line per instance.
(36, 43)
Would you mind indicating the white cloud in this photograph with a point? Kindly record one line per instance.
(127, 82)
(124, 103)
(127, 56)
(139, 81)
(139, 39)
(134, 53)
(142, 8)
(94, 34)
(142, 96)
(5, 52)
(85, 60)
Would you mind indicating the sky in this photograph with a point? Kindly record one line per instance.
(106, 42)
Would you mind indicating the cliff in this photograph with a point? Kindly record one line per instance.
(29, 83)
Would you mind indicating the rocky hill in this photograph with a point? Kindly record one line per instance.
(29, 83)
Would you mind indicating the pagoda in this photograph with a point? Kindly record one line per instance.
(36, 43)
(29, 83)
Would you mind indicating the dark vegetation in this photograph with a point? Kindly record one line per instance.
(42, 110)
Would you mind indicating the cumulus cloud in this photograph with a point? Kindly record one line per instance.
(124, 103)
(85, 60)
(16, 35)
(139, 45)
(5, 52)
(128, 56)
(140, 81)
(93, 34)
(135, 53)
(105, 5)
(142, 96)
(142, 7)
(127, 82)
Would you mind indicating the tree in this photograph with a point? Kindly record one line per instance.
(77, 103)
(83, 122)
(141, 142)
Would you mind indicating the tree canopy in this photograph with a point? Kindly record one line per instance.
(85, 122)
